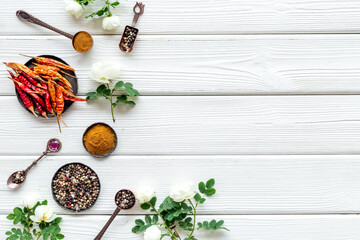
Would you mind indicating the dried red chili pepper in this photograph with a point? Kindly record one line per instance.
(25, 99)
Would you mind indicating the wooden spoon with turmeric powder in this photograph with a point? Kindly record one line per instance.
(81, 41)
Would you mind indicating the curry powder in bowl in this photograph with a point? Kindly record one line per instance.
(100, 140)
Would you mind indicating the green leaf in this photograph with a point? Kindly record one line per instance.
(18, 211)
(139, 222)
(130, 92)
(17, 220)
(148, 219)
(114, 4)
(210, 192)
(155, 219)
(220, 223)
(92, 95)
(128, 85)
(202, 187)
(119, 85)
(136, 92)
(13, 237)
(46, 235)
(8, 233)
(200, 224)
(11, 216)
(188, 220)
(197, 197)
(153, 201)
(57, 220)
(202, 200)
(100, 89)
(135, 229)
(60, 236)
(212, 224)
(210, 183)
(107, 92)
(145, 206)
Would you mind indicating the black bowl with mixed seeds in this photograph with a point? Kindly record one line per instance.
(75, 187)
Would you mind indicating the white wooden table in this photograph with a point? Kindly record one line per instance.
(261, 95)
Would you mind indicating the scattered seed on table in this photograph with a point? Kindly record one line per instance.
(76, 186)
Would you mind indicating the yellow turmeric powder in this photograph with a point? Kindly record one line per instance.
(82, 42)
(99, 139)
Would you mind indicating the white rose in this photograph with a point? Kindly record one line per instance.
(144, 195)
(104, 72)
(29, 201)
(43, 213)
(181, 192)
(111, 23)
(74, 8)
(152, 233)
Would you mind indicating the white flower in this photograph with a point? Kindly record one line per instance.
(29, 201)
(144, 195)
(74, 8)
(181, 192)
(43, 213)
(111, 23)
(103, 72)
(152, 233)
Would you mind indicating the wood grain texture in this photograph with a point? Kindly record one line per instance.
(328, 227)
(198, 125)
(245, 184)
(210, 65)
(198, 17)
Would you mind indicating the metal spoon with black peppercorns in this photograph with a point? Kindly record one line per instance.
(124, 200)
(18, 178)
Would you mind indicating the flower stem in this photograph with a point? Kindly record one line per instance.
(194, 214)
(170, 231)
(111, 104)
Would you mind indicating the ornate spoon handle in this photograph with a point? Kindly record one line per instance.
(24, 16)
(35, 162)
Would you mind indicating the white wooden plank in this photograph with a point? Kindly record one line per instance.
(245, 184)
(329, 227)
(198, 17)
(198, 125)
(210, 65)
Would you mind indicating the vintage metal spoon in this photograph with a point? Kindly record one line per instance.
(130, 32)
(24, 16)
(119, 206)
(18, 178)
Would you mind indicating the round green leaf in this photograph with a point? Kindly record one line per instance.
(210, 183)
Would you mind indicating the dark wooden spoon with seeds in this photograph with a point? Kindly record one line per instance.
(124, 200)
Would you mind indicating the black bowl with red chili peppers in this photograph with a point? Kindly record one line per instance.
(73, 81)
(75, 187)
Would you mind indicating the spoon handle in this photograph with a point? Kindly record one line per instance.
(103, 230)
(24, 16)
(137, 13)
(35, 162)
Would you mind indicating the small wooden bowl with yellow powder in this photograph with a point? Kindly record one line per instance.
(100, 140)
